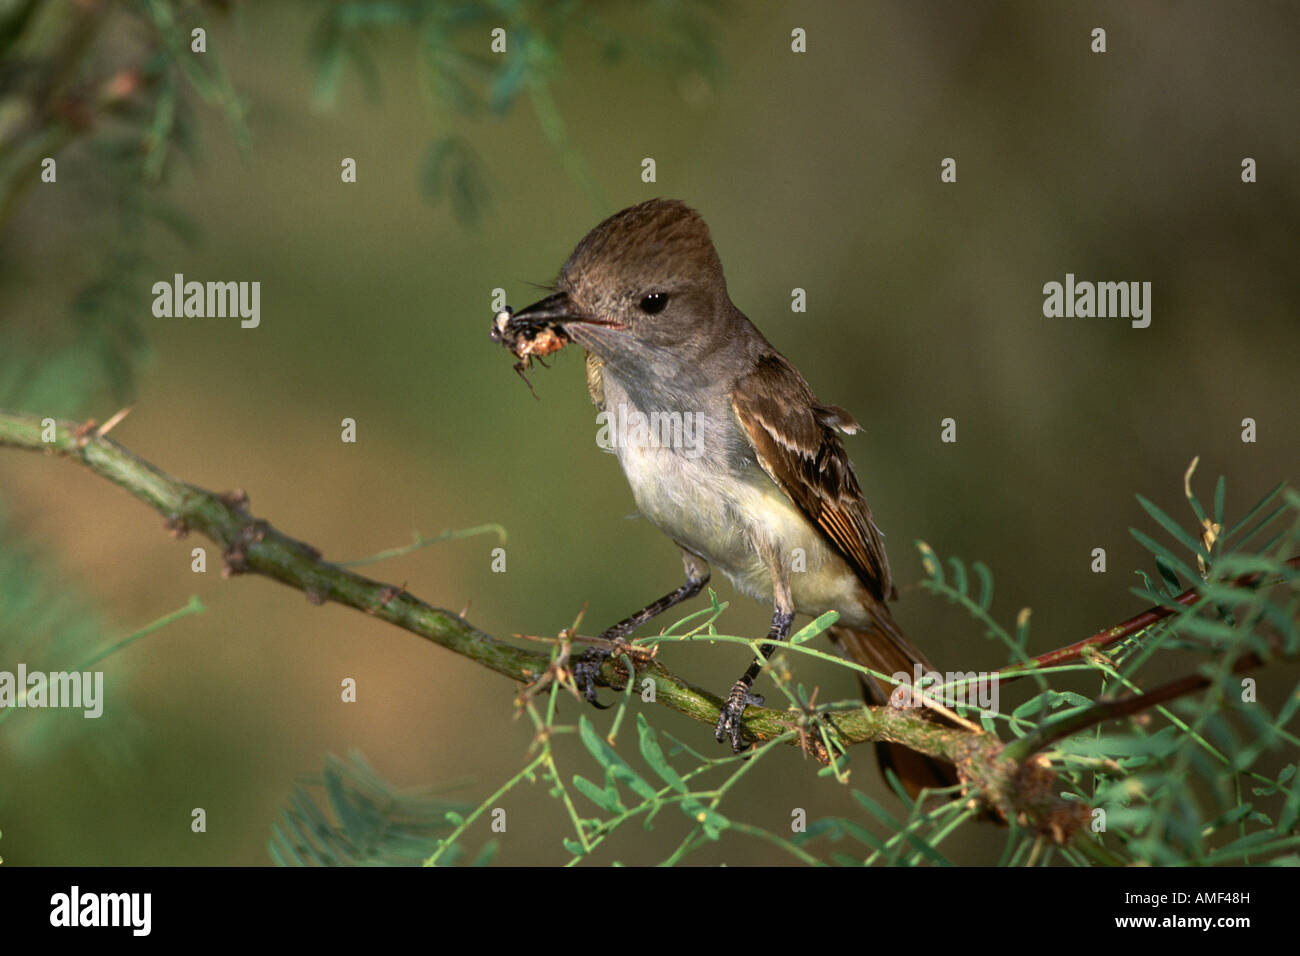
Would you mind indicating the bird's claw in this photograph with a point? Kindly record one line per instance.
(729, 720)
(588, 665)
(585, 669)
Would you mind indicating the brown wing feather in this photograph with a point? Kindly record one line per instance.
(795, 443)
(794, 440)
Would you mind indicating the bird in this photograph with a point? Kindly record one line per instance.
(765, 492)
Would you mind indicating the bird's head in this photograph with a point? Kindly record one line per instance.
(647, 280)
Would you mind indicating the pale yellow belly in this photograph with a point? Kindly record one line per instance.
(730, 521)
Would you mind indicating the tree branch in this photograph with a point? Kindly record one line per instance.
(251, 545)
(1023, 790)
(1113, 635)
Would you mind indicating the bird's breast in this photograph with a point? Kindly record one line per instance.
(697, 480)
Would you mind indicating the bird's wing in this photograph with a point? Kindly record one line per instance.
(794, 440)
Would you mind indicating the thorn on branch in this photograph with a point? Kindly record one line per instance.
(236, 499)
(84, 432)
(235, 556)
(387, 596)
(807, 724)
(113, 422)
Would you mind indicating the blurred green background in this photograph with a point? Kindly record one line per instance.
(816, 170)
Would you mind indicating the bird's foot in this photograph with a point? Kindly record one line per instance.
(729, 720)
(588, 665)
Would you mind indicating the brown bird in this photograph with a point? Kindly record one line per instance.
(753, 478)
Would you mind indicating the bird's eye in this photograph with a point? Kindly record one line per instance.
(654, 303)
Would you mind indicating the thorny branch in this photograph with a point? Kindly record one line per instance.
(1013, 781)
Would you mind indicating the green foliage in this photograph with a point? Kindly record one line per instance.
(462, 79)
(423, 541)
(120, 115)
(453, 169)
(1182, 783)
(348, 816)
(1175, 783)
(48, 627)
(663, 774)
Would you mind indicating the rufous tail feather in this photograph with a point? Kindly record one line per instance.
(886, 650)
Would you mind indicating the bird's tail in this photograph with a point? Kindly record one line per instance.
(886, 650)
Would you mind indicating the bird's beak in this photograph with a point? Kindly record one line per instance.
(559, 309)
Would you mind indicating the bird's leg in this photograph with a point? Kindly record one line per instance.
(588, 665)
(782, 618)
(740, 696)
